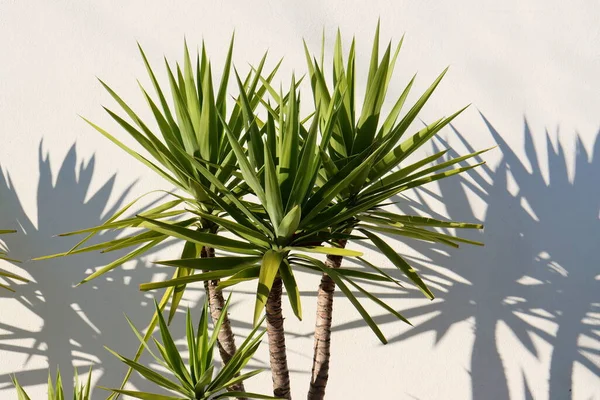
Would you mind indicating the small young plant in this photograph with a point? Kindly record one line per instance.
(196, 379)
(56, 391)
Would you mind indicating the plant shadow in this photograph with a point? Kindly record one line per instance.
(538, 275)
(72, 324)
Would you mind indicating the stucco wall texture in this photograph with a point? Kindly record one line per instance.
(516, 319)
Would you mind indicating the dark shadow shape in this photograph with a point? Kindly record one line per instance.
(76, 322)
(539, 263)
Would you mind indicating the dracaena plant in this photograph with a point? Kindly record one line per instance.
(379, 145)
(317, 181)
(81, 390)
(189, 130)
(197, 378)
(280, 164)
(6, 274)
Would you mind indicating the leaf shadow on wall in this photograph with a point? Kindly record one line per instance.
(537, 276)
(76, 322)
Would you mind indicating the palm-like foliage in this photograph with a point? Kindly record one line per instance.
(280, 166)
(196, 132)
(274, 236)
(196, 380)
(56, 392)
(352, 168)
(316, 180)
(366, 134)
(380, 140)
(6, 274)
(190, 130)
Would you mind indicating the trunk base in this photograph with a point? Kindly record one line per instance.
(322, 344)
(276, 335)
(225, 337)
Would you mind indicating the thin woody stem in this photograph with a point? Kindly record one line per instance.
(277, 350)
(225, 337)
(322, 343)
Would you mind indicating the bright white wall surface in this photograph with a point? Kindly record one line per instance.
(518, 318)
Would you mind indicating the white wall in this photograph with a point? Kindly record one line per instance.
(514, 319)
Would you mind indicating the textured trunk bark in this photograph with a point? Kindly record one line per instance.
(322, 344)
(225, 338)
(277, 351)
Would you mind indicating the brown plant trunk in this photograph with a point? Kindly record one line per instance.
(322, 344)
(277, 350)
(225, 338)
